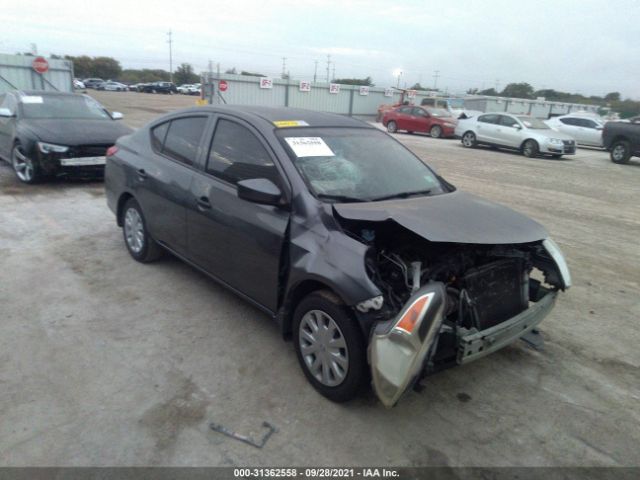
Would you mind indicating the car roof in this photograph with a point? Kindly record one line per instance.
(285, 114)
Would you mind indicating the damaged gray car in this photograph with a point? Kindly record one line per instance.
(378, 269)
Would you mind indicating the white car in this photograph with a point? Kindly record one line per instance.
(529, 135)
(586, 131)
(189, 89)
(113, 86)
(78, 84)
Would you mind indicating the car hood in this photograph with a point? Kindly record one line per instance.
(77, 132)
(551, 133)
(456, 217)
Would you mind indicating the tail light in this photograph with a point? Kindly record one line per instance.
(111, 151)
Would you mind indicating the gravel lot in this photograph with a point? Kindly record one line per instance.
(104, 361)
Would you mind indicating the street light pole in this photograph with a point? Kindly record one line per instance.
(170, 41)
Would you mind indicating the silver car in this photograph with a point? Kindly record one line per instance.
(586, 131)
(527, 134)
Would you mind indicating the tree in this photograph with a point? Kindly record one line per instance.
(251, 74)
(144, 76)
(489, 91)
(354, 81)
(472, 91)
(106, 67)
(184, 74)
(518, 90)
(82, 65)
(612, 97)
(231, 71)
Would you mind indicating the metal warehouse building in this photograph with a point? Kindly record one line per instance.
(17, 73)
(536, 108)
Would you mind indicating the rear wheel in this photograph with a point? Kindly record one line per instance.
(25, 169)
(392, 127)
(330, 347)
(620, 151)
(436, 131)
(530, 149)
(141, 246)
(469, 140)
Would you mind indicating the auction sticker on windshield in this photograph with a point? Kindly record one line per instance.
(309, 147)
(290, 123)
(31, 99)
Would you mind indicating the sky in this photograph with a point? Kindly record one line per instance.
(590, 47)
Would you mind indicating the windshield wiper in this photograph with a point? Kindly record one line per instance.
(340, 198)
(402, 195)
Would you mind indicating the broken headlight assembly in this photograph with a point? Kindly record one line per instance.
(553, 249)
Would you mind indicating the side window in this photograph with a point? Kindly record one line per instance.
(589, 123)
(419, 112)
(569, 121)
(405, 110)
(488, 118)
(157, 136)
(183, 138)
(237, 154)
(507, 121)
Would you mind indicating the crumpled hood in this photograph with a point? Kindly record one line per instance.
(456, 217)
(77, 132)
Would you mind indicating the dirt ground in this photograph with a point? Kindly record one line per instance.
(105, 361)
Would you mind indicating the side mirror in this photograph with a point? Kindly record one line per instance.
(599, 127)
(517, 127)
(116, 115)
(259, 190)
(5, 112)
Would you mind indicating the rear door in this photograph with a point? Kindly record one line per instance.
(404, 118)
(237, 241)
(162, 182)
(591, 132)
(486, 128)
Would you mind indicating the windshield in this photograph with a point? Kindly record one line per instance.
(62, 106)
(533, 123)
(357, 164)
(438, 112)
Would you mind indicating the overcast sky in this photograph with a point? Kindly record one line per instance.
(586, 46)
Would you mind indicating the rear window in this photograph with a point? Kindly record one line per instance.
(488, 118)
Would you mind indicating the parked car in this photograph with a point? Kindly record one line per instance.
(45, 133)
(160, 87)
(622, 139)
(77, 84)
(92, 82)
(437, 122)
(340, 233)
(113, 86)
(585, 131)
(189, 89)
(528, 135)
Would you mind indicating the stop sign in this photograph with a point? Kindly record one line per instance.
(223, 85)
(40, 65)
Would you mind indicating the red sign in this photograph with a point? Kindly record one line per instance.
(40, 65)
(223, 85)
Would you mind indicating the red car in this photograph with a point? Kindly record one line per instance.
(437, 122)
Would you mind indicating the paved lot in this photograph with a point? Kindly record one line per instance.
(104, 361)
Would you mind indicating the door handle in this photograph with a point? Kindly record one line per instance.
(142, 174)
(204, 203)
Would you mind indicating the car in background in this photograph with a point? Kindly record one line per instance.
(529, 135)
(437, 122)
(44, 133)
(77, 84)
(160, 87)
(586, 131)
(137, 87)
(622, 139)
(189, 89)
(113, 86)
(92, 82)
(374, 265)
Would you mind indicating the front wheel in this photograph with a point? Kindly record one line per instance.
(330, 347)
(436, 131)
(620, 151)
(392, 127)
(25, 169)
(141, 246)
(469, 140)
(530, 149)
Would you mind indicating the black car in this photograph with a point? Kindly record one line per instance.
(160, 87)
(52, 133)
(375, 265)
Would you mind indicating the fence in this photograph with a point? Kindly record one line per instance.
(16, 73)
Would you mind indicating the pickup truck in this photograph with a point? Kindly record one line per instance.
(622, 140)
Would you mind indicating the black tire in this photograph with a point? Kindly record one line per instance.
(26, 169)
(150, 250)
(392, 127)
(530, 148)
(620, 151)
(357, 373)
(469, 139)
(436, 131)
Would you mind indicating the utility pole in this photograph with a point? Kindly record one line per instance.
(333, 76)
(284, 66)
(315, 72)
(328, 64)
(435, 79)
(170, 41)
(497, 84)
(209, 85)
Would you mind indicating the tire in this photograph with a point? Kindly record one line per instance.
(339, 381)
(392, 127)
(469, 139)
(25, 169)
(530, 149)
(436, 131)
(620, 151)
(141, 246)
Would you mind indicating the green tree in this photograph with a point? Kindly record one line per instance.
(251, 74)
(106, 67)
(612, 97)
(82, 65)
(472, 91)
(489, 91)
(518, 90)
(354, 81)
(231, 71)
(184, 74)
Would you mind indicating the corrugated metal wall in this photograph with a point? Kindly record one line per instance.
(535, 108)
(16, 73)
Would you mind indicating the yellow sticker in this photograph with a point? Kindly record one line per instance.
(290, 123)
